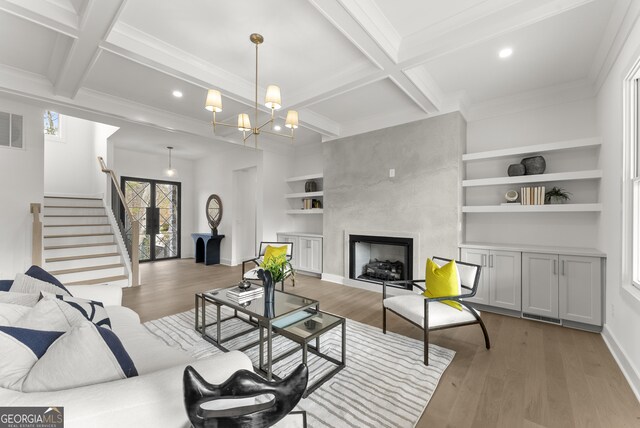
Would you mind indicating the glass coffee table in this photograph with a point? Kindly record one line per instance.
(297, 318)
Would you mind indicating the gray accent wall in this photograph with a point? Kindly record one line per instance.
(423, 197)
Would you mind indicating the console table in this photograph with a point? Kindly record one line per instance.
(207, 248)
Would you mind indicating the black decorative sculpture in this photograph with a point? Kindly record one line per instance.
(214, 213)
(243, 384)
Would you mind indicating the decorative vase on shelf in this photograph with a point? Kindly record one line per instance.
(269, 287)
(310, 186)
(534, 165)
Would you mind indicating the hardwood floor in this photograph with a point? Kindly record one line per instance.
(535, 375)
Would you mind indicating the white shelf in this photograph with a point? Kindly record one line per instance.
(306, 212)
(516, 208)
(532, 150)
(317, 176)
(304, 195)
(538, 178)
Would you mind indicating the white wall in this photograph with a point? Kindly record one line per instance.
(70, 163)
(128, 163)
(623, 302)
(21, 174)
(565, 121)
(214, 174)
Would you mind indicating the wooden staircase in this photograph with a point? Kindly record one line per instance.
(79, 243)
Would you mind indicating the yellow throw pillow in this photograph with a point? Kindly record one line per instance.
(442, 281)
(274, 252)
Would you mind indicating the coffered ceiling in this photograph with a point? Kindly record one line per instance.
(347, 66)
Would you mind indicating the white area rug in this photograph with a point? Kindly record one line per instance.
(384, 383)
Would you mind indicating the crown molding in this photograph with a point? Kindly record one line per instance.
(46, 14)
(531, 100)
(623, 20)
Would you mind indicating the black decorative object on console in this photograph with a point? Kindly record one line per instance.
(243, 384)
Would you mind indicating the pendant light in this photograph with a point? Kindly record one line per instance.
(170, 172)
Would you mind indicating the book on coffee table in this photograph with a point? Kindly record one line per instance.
(252, 292)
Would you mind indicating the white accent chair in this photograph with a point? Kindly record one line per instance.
(431, 314)
(253, 273)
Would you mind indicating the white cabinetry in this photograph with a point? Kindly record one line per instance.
(562, 287)
(557, 284)
(307, 251)
(499, 277)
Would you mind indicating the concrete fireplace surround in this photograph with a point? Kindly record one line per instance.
(421, 201)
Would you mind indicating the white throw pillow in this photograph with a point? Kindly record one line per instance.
(38, 361)
(19, 298)
(10, 313)
(27, 284)
(85, 355)
(91, 310)
(50, 315)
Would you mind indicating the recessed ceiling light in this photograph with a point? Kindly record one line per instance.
(277, 127)
(177, 94)
(505, 53)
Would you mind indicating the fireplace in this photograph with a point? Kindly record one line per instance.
(380, 258)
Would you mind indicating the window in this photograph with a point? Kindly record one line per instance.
(631, 178)
(53, 125)
(10, 130)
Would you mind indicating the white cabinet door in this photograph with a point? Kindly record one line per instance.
(505, 279)
(296, 244)
(310, 254)
(581, 289)
(478, 257)
(540, 284)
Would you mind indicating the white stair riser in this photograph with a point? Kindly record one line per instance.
(73, 211)
(80, 251)
(73, 202)
(79, 263)
(53, 221)
(93, 274)
(79, 240)
(120, 283)
(75, 230)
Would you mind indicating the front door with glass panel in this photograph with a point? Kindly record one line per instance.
(156, 204)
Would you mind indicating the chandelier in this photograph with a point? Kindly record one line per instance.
(272, 101)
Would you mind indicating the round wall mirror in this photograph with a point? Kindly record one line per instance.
(214, 213)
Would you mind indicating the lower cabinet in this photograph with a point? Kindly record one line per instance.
(307, 252)
(500, 277)
(562, 287)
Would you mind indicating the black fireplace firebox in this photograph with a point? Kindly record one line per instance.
(380, 258)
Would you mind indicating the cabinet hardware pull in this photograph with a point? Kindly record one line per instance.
(562, 268)
(555, 267)
(482, 260)
(491, 260)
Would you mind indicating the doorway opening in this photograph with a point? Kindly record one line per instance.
(157, 205)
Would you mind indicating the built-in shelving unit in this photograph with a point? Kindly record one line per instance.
(304, 195)
(517, 208)
(550, 149)
(305, 212)
(304, 178)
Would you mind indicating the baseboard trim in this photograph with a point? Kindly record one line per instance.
(226, 262)
(329, 277)
(629, 372)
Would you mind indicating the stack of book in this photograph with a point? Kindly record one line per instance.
(244, 295)
(532, 195)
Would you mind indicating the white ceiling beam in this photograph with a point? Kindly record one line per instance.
(352, 18)
(45, 14)
(146, 50)
(97, 21)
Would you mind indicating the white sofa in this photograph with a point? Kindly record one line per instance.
(152, 399)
